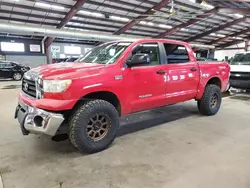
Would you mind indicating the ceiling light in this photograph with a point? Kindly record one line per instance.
(119, 18)
(165, 26)
(238, 15)
(49, 6)
(206, 5)
(213, 34)
(146, 23)
(143, 22)
(239, 38)
(57, 7)
(220, 35)
(193, 1)
(43, 5)
(94, 14)
(184, 29)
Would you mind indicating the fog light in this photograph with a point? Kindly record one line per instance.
(38, 120)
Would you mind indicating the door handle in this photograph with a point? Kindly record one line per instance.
(161, 72)
(193, 69)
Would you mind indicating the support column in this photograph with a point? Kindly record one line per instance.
(47, 54)
(246, 45)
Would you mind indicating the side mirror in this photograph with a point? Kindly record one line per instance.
(139, 59)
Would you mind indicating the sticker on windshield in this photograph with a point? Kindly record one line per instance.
(112, 52)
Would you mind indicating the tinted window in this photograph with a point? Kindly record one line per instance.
(4, 65)
(152, 49)
(176, 53)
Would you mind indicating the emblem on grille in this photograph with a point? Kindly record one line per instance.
(26, 86)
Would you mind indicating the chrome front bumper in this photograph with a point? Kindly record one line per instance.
(34, 120)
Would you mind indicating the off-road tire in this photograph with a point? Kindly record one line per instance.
(79, 121)
(204, 105)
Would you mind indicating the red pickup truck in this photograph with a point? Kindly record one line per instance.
(112, 80)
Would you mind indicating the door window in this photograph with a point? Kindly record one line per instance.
(8, 65)
(152, 49)
(3, 65)
(176, 53)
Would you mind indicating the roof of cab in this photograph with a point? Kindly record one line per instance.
(152, 40)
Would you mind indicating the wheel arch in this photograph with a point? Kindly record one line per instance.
(212, 80)
(215, 81)
(103, 95)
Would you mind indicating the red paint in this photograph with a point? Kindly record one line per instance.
(141, 87)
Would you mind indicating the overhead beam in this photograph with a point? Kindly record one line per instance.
(78, 5)
(235, 42)
(190, 22)
(229, 24)
(230, 36)
(242, 11)
(240, 48)
(133, 22)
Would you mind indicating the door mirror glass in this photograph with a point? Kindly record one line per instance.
(139, 59)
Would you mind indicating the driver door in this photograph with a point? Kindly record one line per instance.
(145, 85)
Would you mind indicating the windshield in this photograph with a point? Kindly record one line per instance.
(105, 54)
(241, 59)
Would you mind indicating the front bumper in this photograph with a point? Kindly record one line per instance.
(35, 120)
(240, 84)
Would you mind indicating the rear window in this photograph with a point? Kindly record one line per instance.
(176, 53)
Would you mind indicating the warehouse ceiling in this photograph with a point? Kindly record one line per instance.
(220, 23)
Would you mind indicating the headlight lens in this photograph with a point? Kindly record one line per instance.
(55, 86)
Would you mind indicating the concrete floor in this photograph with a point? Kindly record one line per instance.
(189, 151)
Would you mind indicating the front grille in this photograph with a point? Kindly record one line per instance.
(29, 87)
(240, 76)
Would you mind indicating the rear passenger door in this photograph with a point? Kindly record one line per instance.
(182, 74)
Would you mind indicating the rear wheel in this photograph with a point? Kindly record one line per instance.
(211, 100)
(17, 76)
(93, 127)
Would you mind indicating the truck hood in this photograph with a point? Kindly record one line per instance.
(240, 68)
(66, 70)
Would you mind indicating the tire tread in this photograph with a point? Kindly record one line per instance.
(203, 104)
(75, 127)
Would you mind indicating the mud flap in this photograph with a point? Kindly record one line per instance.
(21, 116)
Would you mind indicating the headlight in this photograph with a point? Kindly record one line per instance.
(55, 86)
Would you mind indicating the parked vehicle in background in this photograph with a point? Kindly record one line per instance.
(112, 80)
(240, 71)
(14, 70)
(65, 60)
(71, 59)
(205, 59)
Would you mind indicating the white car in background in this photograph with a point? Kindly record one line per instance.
(240, 71)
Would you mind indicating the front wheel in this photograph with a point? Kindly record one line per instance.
(94, 126)
(211, 100)
(17, 76)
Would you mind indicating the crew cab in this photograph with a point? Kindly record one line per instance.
(240, 71)
(112, 80)
(14, 70)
